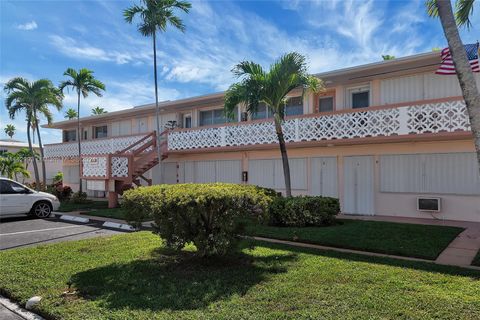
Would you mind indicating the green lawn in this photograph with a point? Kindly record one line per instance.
(86, 206)
(116, 213)
(131, 276)
(421, 241)
(476, 261)
(93, 208)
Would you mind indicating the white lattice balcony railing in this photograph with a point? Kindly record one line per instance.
(97, 146)
(432, 117)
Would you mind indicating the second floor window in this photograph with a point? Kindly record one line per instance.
(187, 121)
(294, 106)
(358, 97)
(216, 116)
(100, 132)
(70, 135)
(263, 112)
(325, 104)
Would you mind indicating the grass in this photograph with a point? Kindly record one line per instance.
(94, 208)
(476, 260)
(412, 240)
(132, 276)
(87, 205)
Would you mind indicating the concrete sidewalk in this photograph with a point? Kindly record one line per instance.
(460, 252)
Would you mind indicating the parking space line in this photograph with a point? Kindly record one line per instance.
(49, 229)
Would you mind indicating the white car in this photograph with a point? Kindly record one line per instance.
(17, 199)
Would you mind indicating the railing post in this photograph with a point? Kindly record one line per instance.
(223, 136)
(403, 121)
(297, 129)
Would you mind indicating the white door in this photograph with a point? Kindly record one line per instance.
(323, 177)
(358, 185)
(142, 125)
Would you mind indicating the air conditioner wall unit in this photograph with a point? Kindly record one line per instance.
(429, 204)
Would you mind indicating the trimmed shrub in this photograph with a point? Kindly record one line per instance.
(206, 214)
(79, 197)
(304, 211)
(63, 193)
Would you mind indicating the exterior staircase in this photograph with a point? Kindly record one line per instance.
(143, 156)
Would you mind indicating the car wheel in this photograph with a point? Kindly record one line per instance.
(42, 209)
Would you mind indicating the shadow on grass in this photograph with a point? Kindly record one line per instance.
(417, 265)
(180, 281)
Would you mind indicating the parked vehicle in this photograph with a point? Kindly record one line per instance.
(17, 199)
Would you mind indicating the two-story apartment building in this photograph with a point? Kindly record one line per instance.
(387, 138)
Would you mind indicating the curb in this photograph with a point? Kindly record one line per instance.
(115, 225)
(102, 223)
(74, 218)
(19, 311)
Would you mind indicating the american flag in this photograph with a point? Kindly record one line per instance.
(447, 66)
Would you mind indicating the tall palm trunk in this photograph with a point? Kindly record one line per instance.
(34, 161)
(79, 137)
(283, 151)
(157, 109)
(42, 159)
(464, 71)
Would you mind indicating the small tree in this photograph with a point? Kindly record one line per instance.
(11, 166)
(71, 114)
(271, 87)
(10, 130)
(387, 57)
(98, 110)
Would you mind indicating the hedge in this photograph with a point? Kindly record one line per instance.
(304, 211)
(206, 214)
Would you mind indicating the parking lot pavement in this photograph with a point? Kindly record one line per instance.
(27, 231)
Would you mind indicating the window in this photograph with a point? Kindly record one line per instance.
(360, 99)
(263, 112)
(85, 135)
(216, 116)
(10, 187)
(294, 106)
(100, 132)
(70, 135)
(325, 104)
(187, 121)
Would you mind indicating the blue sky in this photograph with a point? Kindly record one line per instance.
(40, 39)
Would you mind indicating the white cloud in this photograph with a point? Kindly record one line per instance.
(82, 50)
(121, 95)
(216, 39)
(32, 25)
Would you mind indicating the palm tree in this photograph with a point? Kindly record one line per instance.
(10, 130)
(31, 97)
(43, 110)
(443, 9)
(84, 83)
(25, 155)
(98, 110)
(386, 57)
(271, 88)
(11, 165)
(70, 114)
(155, 15)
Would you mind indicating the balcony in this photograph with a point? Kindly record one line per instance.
(423, 118)
(121, 158)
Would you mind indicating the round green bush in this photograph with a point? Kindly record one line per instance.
(206, 214)
(303, 211)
